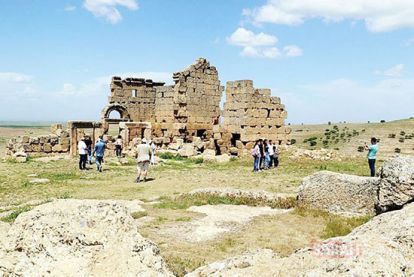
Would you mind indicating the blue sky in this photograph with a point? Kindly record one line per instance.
(328, 61)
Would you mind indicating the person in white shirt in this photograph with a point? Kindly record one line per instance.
(83, 154)
(271, 153)
(143, 159)
(118, 147)
(153, 149)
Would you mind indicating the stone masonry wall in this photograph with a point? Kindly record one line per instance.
(253, 113)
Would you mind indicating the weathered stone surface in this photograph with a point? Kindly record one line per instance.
(223, 158)
(381, 247)
(209, 155)
(187, 150)
(397, 183)
(79, 238)
(339, 193)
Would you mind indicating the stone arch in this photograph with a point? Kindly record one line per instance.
(116, 107)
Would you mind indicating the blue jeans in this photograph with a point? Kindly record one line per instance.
(98, 162)
(371, 163)
(256, 164)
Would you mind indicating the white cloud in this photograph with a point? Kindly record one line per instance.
(12, 77)
(70, 8)
(109, 8)
(292, 51)
(351, 101)
(260, 45)
(379, 16)
(395, 71)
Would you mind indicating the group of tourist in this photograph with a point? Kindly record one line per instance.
(145, 154)
(265, 155)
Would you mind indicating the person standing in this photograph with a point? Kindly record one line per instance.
(266, 153)
(261, 158)
(275, 155)
(271, 153)
(83, 153)
(256, 157)
(372, 155)
(118, 147)
(153, 149)
(88, 142)
(143, 160)
(99, 151)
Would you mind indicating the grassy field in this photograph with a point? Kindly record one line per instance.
(283, 233)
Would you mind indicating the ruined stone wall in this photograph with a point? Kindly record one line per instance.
(253, 113)
(136, 95)
(56, 142)
(196, 101)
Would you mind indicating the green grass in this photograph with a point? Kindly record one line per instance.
(183, 219)
(335, 225)
(136, 215)
(12, 216)
(181, 266)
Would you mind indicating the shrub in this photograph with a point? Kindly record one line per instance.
(292, 141)
(170, 156)
(200, 160)
(401, 140)
(383, 121)
(402, 133)
(397, 150)
(361, 148)
(391, 136)
(313, 143)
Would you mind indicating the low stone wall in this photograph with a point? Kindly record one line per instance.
(56, 142)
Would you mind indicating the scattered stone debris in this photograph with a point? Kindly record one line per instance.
(381, 247)
(319, 155)
(79, 238)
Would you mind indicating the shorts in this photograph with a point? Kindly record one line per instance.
(143, 166)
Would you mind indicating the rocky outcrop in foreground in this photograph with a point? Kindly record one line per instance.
(381, 247)
(79, 238)
(355, 195)
(397, 183)
(339, 193)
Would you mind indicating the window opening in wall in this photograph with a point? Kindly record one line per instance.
(234, 138)
(134, 93)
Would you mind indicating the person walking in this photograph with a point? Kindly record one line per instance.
(372, 155)
(118, 147)
(256, 157)
(143, 160)
(153, 149)
(83, 153)
(99, 152)
(88, 142)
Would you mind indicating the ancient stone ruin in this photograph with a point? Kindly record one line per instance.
(187, 112)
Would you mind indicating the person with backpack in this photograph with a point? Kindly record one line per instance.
(256, 157)
(372, 155)
(99, 152)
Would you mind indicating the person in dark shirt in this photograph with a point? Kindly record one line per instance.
(88, 142)
(262, 154)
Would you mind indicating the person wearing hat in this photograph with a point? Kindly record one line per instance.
(143, 160)
(83, 153)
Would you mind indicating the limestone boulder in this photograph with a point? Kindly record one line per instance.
(209, 155)
(20, 157)
(381, 247)
(339, 193)
(79, 238)
(187, 150)
(397, 183)
(225, 158)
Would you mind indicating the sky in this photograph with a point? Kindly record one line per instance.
(328, 60)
